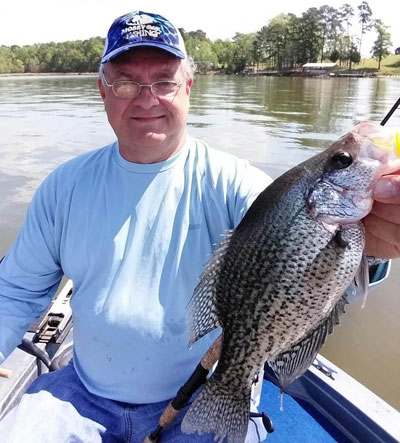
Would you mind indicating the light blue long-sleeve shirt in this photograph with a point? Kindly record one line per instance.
(134, 239)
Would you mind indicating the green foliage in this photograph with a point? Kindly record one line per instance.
(383, 42)
(354, 55)
(72, 56)
(243, 52)
(278, 43)
(201, 49)
(285, 42)
(334, 56)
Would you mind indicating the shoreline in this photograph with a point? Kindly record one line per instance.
(47, 74)
(256, 74)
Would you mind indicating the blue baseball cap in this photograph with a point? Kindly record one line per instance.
(138, 29)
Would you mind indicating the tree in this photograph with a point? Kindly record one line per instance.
(8, 61)
(93, 50)
(271, 41)
(365, 16)
(205, 57)
(223, 49)
(334, 56)
(354, 55)
(278, 42)
(309, 29)
(198, 35)
(346, 14)
(243, 52)
(380, 48)
(201, 49)
(330, 24)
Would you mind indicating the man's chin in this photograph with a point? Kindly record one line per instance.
(154, 138)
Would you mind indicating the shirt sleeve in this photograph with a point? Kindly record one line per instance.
(249, 183)
(30, 272)
(236, 184)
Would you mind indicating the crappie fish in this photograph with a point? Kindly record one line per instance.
(276, 285)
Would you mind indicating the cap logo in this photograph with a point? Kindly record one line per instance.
(140, 26)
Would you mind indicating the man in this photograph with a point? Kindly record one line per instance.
(131, 224)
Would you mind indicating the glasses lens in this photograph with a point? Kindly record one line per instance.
(126, 89)
(164, 89)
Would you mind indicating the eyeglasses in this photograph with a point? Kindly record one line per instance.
(129, 89)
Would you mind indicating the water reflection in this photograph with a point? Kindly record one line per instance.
(313, 112)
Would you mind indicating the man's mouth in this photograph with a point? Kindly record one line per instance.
(148, 118)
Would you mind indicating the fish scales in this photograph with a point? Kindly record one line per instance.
(276, 285)
(309, 274)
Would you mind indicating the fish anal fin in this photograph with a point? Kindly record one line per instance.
(293, 362)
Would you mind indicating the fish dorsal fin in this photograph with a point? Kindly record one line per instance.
(362, 279)
(201, 316)
(293, 362)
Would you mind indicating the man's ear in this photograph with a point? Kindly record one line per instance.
(101, 88)
(189, 84)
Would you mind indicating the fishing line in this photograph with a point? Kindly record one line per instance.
(389, 114)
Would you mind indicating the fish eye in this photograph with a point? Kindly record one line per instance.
(341, 160)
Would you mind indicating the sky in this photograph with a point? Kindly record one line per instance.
(25, 22)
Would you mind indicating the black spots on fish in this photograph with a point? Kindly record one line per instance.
(341, 160)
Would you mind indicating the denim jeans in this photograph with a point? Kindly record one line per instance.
(57, 408)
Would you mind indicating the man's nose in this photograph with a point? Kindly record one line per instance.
(146, 99)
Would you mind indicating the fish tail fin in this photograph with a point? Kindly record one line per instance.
(224, 415)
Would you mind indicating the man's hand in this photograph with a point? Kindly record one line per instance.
(383, 223)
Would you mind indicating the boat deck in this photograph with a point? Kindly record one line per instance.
(294, 424)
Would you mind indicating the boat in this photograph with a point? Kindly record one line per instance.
(324, 405)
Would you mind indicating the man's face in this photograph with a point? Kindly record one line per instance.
(148, 128)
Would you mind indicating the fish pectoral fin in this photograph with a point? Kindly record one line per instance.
(340, 240)
(293, 362)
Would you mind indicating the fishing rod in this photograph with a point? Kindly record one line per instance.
(389, 114)
(198, 378)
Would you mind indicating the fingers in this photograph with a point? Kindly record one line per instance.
(389, 212)
(387, 189)
(382, 225)
(382, 237)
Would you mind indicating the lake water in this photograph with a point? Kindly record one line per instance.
(273, 122)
